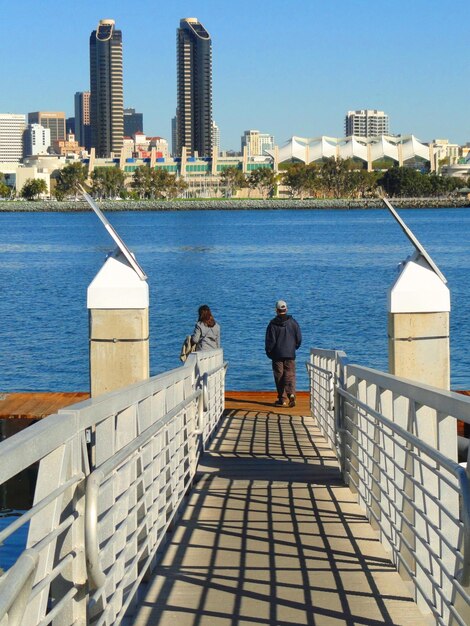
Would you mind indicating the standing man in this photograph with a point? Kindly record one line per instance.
(283, 338)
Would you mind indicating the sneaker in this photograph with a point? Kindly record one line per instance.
(280, 403)
(291, 400)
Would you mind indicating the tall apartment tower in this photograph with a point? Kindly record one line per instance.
(106, 89)
(54, 120)
(366, 123)
(82, 118)
(194, 88)
(12, 127)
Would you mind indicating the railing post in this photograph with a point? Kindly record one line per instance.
(118, 304)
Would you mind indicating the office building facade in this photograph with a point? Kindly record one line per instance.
(82, 118)
(106, 89)
(256, 143)
(194, 88)
(366, 123)
(53, 120)
(12, 127)
(133, 122)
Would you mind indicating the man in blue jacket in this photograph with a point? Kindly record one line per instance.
(283, 338)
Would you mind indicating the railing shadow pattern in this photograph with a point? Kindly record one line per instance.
(396, 441)
(268, 538)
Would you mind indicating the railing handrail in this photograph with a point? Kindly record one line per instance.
(447, 402)
(395, 440)
(94, 480)
(44, 436)
(122, 424)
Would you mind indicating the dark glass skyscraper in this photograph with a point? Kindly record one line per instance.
(133, 122)
(106, 89)
(194, 89)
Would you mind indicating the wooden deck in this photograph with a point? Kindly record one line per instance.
(271, 536)
(37, 404)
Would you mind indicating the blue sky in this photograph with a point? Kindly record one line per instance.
(283, 67)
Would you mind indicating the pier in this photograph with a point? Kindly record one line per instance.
(172, 501)
(168, 500)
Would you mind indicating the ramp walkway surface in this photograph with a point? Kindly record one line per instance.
(272, 536)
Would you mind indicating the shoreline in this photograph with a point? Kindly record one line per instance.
(238, 204)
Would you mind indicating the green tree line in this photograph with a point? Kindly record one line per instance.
(341, 179)
(333, 178)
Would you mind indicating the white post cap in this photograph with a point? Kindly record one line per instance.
(117, 286)
(418, 289)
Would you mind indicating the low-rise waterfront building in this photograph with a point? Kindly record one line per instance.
(446, 153)
(379, 152)
(141, 146)
(68, 146)
(24, 173)
(12, 127)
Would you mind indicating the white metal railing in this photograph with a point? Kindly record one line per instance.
(113, 472)
(396, 442)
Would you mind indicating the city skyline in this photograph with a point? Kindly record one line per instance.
(294, 72)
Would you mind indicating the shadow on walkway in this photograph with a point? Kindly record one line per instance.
(271, 536)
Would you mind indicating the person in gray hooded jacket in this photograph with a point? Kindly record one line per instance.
(206, 335)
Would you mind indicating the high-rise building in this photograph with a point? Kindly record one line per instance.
(70, 125)
(54, 120)
(366, 123)
(215, 138)
(256, 143)
(106, 89)
(37, 140)
(133, 122)
(194, 88)
(12, 128)
(82, 118)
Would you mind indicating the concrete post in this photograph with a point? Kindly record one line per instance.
(418, 335)
(118, 303)
(418, 325)
(91, 162)
(400, 154)
(276, 159)
(245, 160)
(183, 162)
(215, 157)
(369, 158)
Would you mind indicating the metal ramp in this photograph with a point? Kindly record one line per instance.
(272, 536)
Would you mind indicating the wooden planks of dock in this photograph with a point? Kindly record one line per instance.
(37, 404)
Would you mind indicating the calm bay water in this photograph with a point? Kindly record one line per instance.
(332, 267)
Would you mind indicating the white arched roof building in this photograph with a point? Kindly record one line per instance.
(311, 149)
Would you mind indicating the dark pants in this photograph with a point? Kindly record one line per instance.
(284, 377)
